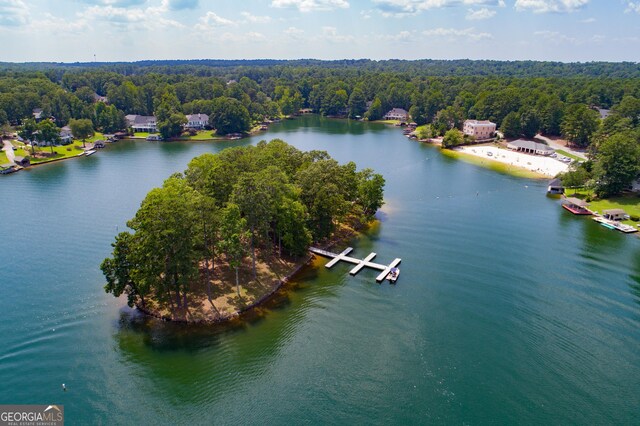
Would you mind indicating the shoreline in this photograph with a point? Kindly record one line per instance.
(269, 295)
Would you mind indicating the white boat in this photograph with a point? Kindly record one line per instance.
(90, 152)
(393, 275)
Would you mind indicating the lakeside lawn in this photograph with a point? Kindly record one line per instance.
(630, 203)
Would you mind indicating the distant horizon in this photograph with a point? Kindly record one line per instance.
(312, 59)
(568, 31)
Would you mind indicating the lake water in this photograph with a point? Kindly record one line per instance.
(508, 309)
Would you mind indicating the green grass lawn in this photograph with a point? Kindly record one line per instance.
(630, 203)
(567, 154)
(63, 151)
(202, 135)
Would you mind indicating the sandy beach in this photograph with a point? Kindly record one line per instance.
(536, 163)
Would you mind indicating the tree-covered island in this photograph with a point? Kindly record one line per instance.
(223, 235)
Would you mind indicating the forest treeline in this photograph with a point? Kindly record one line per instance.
(522, 98)
(271, 197)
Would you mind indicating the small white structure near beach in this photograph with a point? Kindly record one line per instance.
(530, 147)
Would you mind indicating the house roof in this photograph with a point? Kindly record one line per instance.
(576, 201)
(535, 146)
(397, 111)
(614, 212)
(133, 119)
(198, 117)
(556, 182)
(476, 122)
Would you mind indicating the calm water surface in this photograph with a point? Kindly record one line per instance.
(508, 309)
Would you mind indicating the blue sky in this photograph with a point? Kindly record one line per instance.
(130, 30)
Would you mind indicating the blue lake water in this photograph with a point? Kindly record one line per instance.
(508, 309)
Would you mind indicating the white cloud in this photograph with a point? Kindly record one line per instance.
(133, 19)
(588, 21)
(295, 34)
(401, 37)
(556, 37)
(311, 5)
(452, 33)
(479, 14)
(60, 26)
(633, 7)
(211, 21)
(254, 19)
(13, 13)
(410, 7)
(241, 37)
(553, 6)
(331, 35)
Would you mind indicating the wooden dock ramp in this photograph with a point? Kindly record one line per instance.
(366, 262)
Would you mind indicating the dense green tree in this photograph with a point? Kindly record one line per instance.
(617, 163)
(452, 138)
(27, 132)
(82, 129)
(357, 105)
(233, 234)
(48, 133)
(579, 124)
(370, 191)
(229, 116)
(529, 122)
(577, 177)
(375, 111)
(511, 125)
(119, 268)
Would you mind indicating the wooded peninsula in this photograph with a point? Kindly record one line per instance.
(225, 234)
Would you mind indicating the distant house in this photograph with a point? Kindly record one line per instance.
(37, 114)
(154, 138)
(99, 144)
(98, 98)
(479, 129)
(530, 147)
(142, 123)
(604, 113)
(397, 114)
(66, 136)
(197, 121)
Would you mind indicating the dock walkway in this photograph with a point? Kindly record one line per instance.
(366, 262)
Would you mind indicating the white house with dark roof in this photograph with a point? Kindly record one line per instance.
(142, 123)
(397, 114)
(530, 147)
(479, 129)
(197, 121)
(66, 136)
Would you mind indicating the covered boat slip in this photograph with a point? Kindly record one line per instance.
(576, 205)
(366, 262)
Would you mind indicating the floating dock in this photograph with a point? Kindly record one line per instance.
(366, 262)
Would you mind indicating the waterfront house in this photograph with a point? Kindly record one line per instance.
(66, 136)
(614, 214)
(142, 123)
(479, 129)
(555, 187)
(397, 114)
(530, 147)
(197, 121)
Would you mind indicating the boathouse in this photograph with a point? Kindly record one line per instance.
(614, 214)
(555, 187)
(576, 206)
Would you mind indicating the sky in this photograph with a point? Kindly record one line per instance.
(132, 30)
